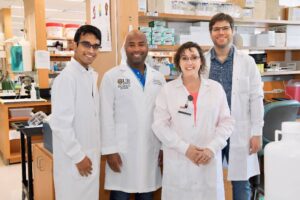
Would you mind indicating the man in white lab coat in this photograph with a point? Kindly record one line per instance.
(127, 97)
(240, 78)
(75, 122)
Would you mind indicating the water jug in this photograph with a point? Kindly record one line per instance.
(282, 164)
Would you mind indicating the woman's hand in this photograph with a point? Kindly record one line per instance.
(204, 157)
(193, 153)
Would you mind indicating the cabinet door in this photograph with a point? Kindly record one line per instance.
(43, 175)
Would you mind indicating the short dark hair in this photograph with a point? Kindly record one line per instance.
(221, 17)
(82, 30)
(180, 51)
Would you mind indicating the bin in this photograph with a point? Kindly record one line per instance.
(292, 89)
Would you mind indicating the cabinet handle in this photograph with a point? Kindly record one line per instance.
(40, 163)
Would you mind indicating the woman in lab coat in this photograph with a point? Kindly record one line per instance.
(193, 121)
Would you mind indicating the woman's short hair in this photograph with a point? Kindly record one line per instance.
(181, 50)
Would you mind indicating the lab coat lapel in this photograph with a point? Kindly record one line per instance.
(235, 74)
(201, 97)
(149, 78)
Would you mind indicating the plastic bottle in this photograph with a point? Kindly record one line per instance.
(33, 92)
(282, 164)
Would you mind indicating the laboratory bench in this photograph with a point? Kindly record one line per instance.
(10, 147)
(43, 176)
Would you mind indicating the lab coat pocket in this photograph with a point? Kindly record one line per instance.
(240, 136)
(122, 137)
(243, 84)
(94, 156)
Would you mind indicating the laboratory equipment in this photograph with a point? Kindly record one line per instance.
(282, 164)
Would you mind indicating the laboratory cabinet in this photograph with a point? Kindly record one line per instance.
(43, 173)
(43, 176)
(9, 140)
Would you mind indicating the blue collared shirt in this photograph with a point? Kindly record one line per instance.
(139, 75)
(222, 72)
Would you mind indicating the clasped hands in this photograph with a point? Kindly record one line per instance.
(199, 156)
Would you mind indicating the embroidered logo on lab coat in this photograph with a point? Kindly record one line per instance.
(123, 83)
(157, 82)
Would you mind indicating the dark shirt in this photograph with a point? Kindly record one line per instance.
(222, 72)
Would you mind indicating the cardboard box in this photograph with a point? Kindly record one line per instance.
(157, 24)
(146, 30)
(168, 40)
(243, 3)
(259, 10)
(280, 39)
(247, 13)
(157, 31)
(161, 6)
(266, 39)
(180, 27)
(156, 40)
(143, 5)
(168, 32)
(268, 9)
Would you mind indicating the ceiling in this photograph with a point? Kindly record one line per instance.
(63, 11)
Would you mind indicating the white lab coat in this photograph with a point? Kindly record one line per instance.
(76, 132)
(247, 110)
(182, 179)
(126, 118)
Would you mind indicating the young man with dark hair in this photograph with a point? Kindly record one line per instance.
(240, 78)
(75, 122)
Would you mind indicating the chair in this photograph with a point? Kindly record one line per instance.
(275, 113)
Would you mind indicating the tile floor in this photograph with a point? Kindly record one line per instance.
(10, 181)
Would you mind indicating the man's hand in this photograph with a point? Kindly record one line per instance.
(160, 158)
(193, 153)
(115, 162)
(255, 144)
(204, 157)
(85, 166)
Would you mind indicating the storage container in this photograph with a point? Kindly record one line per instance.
(292, 89)
(70, 30)
(282, 164)
(54, 30)
(20, 112)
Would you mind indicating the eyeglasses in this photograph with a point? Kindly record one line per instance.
(88, 45)
(223, 28)
(186, 59)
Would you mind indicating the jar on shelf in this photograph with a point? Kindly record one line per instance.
(54, 30)
(70, 30)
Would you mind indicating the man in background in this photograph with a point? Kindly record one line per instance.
(240, 78)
